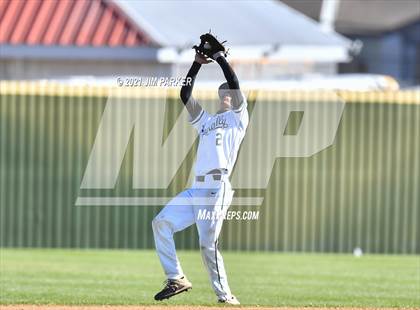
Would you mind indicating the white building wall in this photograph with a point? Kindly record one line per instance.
(252, 71)
(54, 69)
(22, 69)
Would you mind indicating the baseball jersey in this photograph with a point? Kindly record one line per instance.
(220, 135)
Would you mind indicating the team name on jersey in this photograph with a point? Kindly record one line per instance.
(219, 122)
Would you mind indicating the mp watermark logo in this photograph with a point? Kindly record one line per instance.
(277, 128)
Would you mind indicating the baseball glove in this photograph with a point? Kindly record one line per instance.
(209, 46)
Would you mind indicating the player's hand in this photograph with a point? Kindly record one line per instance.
(201, 59)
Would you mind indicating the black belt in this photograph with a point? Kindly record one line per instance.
(215, 173)
(202, 178)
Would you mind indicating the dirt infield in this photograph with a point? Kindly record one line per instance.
(168, 307)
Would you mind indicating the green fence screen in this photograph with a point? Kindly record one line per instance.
(361, 191)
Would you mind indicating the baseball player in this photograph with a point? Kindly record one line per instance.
(220, 136)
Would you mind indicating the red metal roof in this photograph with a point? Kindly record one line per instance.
(67, 23)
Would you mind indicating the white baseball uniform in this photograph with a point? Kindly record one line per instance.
(220, 137)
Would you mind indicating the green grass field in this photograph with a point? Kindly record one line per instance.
(271, 279)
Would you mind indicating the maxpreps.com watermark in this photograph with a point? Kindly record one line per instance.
(209, 215)
(153, 81)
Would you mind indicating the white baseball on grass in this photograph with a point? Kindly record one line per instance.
(357, 252)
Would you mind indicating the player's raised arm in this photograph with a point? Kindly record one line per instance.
(237, 97)
(194, 109)
(228, 72)
(232, 80)
(212, 48)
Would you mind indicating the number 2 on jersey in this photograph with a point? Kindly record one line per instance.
(218, 138)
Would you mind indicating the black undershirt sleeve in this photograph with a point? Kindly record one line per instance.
(230, 75)
(186, 90)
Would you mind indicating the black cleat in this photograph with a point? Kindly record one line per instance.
(173, 287)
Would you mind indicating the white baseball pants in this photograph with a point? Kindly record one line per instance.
(211, 198)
